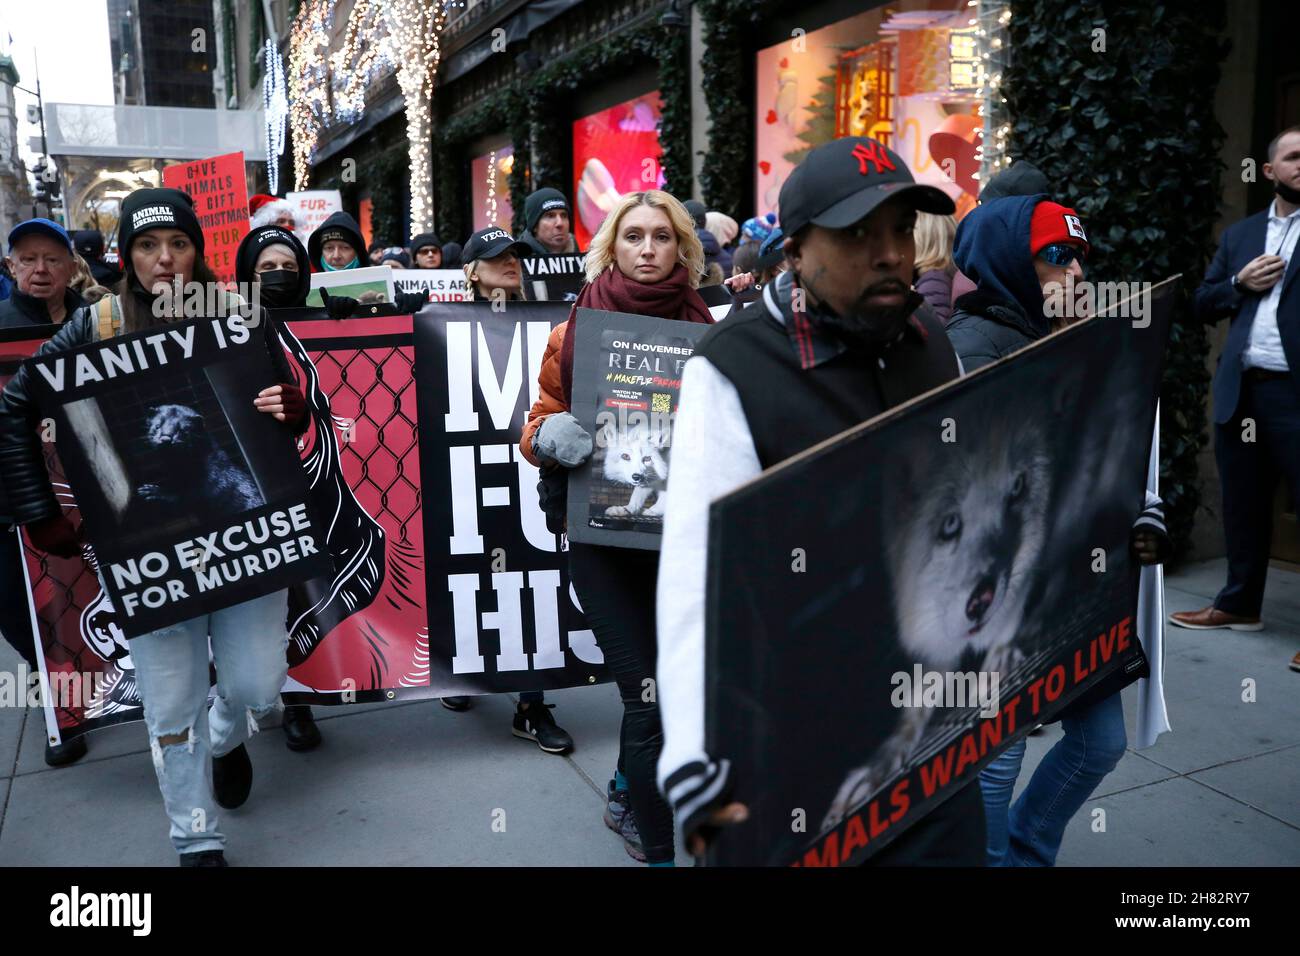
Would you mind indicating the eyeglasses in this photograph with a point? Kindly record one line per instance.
(1062, 254)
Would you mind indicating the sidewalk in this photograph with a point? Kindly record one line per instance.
(415, 784)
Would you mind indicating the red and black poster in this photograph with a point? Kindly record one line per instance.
(988, 584)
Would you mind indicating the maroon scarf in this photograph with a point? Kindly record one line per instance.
(672, 298)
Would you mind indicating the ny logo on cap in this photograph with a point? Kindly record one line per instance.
(875, 154)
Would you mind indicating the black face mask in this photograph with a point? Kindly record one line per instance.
(279, 288)
(1286, 192)
(866, 327)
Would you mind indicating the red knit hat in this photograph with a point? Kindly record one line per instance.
(1053, 222)
(258, 200)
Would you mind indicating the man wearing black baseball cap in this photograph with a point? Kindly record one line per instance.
(835, 340)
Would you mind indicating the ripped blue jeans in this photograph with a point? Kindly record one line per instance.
(171, 665)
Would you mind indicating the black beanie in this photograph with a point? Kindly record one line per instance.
(252, 245)
(425, 239)
(147, 209)
(543, 201)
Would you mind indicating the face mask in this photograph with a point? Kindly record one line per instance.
(1286, 192)
(354, 264)
(279, 288)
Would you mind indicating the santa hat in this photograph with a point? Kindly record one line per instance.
(257, 201)
(267, 213)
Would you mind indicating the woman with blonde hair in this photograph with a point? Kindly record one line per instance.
(646, 259)
(83, 282)
(934, 267)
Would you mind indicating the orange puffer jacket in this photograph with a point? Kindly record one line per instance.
(550, 398)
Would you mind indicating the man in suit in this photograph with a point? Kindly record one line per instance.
(1252, 280)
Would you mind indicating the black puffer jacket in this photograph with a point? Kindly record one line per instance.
(23, 476)
(985, 327)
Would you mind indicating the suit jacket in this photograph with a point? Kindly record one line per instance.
(1216, 299)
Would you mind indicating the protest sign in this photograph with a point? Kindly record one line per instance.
(219, 189)
(553, 278)
(192, 499)
(439, 285)
(370, 284)
(985, 585)
(627, 374)
(311, 208)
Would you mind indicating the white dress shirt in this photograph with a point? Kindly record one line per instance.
(1265, 347)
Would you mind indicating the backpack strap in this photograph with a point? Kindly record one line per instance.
(109, 322)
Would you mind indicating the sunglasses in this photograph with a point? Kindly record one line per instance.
(1062, 254)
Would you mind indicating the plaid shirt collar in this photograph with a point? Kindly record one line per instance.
(811, 346)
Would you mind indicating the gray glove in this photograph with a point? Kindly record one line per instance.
(563, 440)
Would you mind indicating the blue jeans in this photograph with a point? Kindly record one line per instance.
(171, 665)
(1030, 833)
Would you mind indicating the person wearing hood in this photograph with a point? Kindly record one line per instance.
(426, 251)
(452, 254)
(161, 244)
(1021, 251)
(1011, 248)
(548, 223)
(337, 244)
(1021, 178)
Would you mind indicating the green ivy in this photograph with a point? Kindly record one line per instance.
(535, 110)
(1130, 139)
(727, 176)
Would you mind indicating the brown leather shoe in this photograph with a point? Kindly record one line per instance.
(1295, 663)
(1212, 619)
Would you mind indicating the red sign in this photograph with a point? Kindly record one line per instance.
(220, 193)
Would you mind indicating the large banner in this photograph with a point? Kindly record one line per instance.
(443, 579)
(889, 610)
(219, 189)
(193, 500)
(437, 285)
(627, 375)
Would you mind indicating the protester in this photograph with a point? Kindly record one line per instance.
(725, 230)
(1019, 251)
(745, 261)
(787, 372)
(264, 210)
(771, 261)
(396, 259)
(426, 251)
(492, 265)
(548, 223)
(1257, 381)
(337, 244)
(161, 242)
(89, 244)
(451, 255)
(934, 266)
(646, 259)
(757, 229)
(43, 263)
(374, 252)
(708, 241)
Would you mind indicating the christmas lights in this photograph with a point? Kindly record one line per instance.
(991, 43)
(276, 103)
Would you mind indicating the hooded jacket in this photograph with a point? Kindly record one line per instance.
(345, 224)
(251, 247)
(1005, 312)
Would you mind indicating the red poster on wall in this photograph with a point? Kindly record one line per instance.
(219, 189)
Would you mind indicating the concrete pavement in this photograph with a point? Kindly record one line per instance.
(415, 784)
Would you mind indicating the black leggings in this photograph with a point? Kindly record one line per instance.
(616, 587)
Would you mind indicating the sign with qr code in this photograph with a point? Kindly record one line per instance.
(627, 375)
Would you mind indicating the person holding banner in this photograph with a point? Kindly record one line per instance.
(837, 339)
(646, 259)
(161, 244)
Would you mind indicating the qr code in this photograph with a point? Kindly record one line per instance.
(661, 402)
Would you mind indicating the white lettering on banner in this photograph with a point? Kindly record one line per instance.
(465, 538)
(460, 416)
(508, 621)
(546, 619)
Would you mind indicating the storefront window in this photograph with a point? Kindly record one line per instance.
(909, 78)
(489, 177)
(615, 151)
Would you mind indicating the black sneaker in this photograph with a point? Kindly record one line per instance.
(60, 755)
(455, 703)
(534, 722)
(204, 858)
(232, 778)
(300, 730)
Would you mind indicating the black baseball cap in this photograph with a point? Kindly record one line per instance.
(492, 242)
(841, 182)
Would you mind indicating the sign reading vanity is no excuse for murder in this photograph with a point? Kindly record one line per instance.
(192, 499)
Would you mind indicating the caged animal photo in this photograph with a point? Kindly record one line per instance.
(635, 472)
